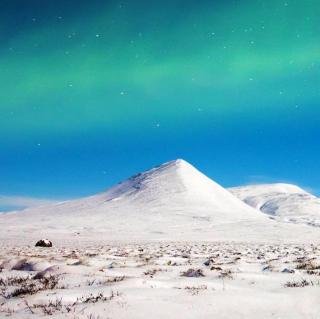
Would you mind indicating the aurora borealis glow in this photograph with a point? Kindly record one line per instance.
(94, 91)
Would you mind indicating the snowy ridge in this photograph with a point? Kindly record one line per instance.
(173, 201)
(285, 202)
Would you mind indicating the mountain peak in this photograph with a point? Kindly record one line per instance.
(179, 161)
(165, 179)
(178, 185)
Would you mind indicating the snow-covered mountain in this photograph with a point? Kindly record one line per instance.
(284, 202)
(173, 201)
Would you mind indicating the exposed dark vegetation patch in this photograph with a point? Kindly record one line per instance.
(20, 286)
(51, 307)
(301, 283)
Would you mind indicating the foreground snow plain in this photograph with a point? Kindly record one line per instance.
(161, 280)
(166, 243)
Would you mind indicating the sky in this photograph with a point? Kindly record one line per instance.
(92, 92)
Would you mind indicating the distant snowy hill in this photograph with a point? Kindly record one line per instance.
(285, 202)
(173, 201)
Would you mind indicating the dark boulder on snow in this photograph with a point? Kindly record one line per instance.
(44, 243)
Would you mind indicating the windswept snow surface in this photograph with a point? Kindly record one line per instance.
(173, 201)
(138, 281)
(286, 202)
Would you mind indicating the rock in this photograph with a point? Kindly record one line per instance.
(208, 262)
(44, 243)
(288, 271)
(267, 268)
(193, 273)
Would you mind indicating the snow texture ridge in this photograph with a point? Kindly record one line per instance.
(286, 202)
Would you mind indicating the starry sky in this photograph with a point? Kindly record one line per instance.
(92, 92)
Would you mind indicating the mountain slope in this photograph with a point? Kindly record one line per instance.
(285, 202)
(171, 202)
(177, 184)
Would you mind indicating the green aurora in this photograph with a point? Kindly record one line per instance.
(124, 61)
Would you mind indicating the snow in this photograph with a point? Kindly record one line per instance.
(286, 202)
(146, 281)
(123, 253)
(173, 201)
